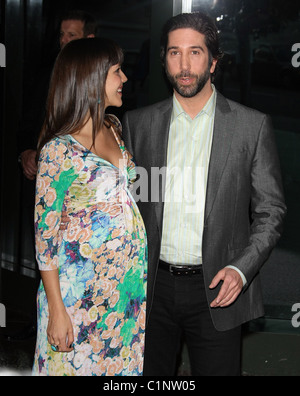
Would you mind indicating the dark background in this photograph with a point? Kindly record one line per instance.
(257, 37)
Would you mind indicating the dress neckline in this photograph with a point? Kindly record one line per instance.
(121, 147)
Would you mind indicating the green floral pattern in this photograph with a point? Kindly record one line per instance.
(101, 257)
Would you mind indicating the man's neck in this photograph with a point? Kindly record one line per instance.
(193, 106)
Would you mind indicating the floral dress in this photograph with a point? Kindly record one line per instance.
(101, 257)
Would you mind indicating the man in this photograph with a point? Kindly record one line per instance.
(205, 252)
(74, 25)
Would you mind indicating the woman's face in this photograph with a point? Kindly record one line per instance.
(114, 86)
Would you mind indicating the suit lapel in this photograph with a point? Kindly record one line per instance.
(225, 120)
(160, 127)
(224, 127)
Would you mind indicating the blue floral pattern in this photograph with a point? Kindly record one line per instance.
(101, 257)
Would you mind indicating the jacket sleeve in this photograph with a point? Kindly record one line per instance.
(126, 136)
(267, 204)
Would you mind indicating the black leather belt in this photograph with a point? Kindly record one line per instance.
(180, 270)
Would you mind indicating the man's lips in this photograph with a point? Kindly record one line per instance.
(186, 80)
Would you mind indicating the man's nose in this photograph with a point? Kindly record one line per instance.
(63, 41)
(185, 62)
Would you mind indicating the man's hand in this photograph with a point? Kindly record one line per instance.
(29, 164)
(65, 220)
(230, 290)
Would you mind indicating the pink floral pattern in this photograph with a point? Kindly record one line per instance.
(101, 257)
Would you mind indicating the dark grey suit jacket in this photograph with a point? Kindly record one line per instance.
(244, 203)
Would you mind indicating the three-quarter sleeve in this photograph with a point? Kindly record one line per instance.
(55, 176)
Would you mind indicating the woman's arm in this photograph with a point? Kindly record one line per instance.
(60, 328)
(53, 181)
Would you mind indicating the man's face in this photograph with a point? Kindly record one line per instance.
(188, 63)
(69, 31)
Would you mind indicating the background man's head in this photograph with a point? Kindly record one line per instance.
(76, 25)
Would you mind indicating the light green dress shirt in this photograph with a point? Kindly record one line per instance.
(189, 149)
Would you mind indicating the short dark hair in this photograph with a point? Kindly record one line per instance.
(198, 21)
(88, 20)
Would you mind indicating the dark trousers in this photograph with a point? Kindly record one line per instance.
(180, 308)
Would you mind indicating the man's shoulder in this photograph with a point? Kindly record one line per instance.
(249, 122)
(240, 108)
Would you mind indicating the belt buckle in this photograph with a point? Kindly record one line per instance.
(172, 270)
(177, 271)
(183, 271)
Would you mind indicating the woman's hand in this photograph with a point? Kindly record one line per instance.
(60, 329)
(60, 332)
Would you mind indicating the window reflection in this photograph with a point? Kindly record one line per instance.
(261, 69)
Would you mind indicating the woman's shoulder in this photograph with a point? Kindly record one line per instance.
(56, 148)
(58, 142)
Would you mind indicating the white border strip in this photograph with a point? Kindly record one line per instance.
(187, 6)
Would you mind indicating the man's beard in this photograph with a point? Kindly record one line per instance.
(192, 90)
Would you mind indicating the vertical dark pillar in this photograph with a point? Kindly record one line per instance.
(161, 12)
(11, 111)
(33, 34)
(2, 71)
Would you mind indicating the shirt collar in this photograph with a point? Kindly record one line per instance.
(208, 109)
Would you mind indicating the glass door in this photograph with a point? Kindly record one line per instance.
(261, 69)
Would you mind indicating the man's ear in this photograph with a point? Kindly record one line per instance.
(213, 66)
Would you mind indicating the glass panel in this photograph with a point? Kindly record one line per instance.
(125, 21)
(261, 69)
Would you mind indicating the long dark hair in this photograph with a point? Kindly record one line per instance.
(77, 87)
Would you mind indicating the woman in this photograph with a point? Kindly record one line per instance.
(92, 298)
